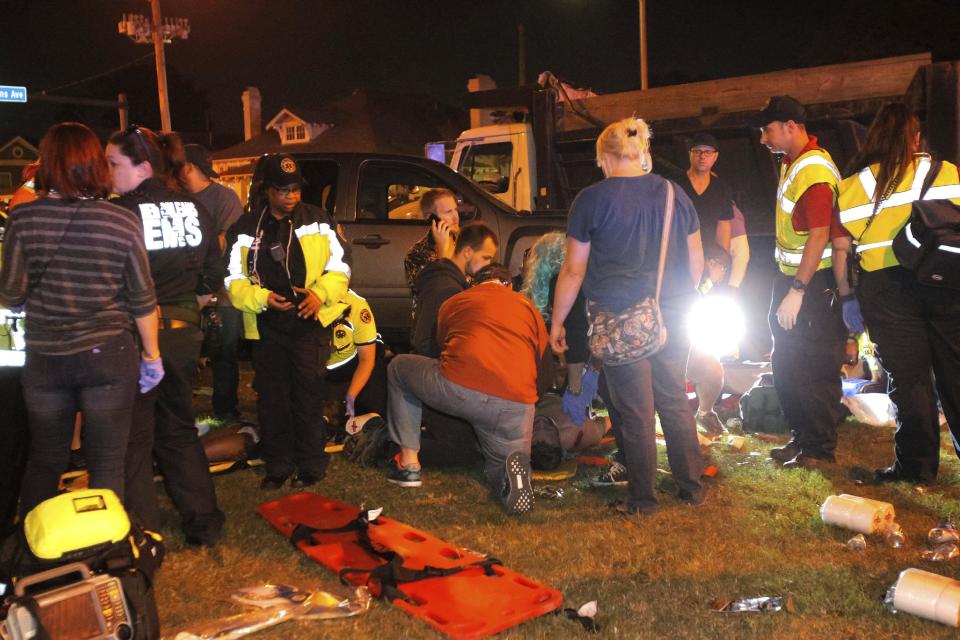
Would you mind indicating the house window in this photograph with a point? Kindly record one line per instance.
(6, 180)
(294, 133)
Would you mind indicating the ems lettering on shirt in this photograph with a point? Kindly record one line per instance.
(170, 225)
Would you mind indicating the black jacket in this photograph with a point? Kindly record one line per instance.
(439, 280)
(181, 239)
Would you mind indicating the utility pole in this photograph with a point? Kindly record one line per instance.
(643, 44)
(143, 30)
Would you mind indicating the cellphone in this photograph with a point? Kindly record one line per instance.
(434, 218)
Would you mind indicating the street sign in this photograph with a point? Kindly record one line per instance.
(13, 94)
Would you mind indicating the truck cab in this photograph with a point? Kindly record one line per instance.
(499, 158)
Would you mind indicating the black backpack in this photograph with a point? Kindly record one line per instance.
(929, 244)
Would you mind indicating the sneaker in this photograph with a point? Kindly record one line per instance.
(614, 476)
(710, 422)
(785, 453)
(408, 476)
(519, 491)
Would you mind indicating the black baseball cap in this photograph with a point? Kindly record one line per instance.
(281, 170)
(782, 109)
(199, 156)
(703, 140)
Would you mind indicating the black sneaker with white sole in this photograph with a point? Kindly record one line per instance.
(519, 492)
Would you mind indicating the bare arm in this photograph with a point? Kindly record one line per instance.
(813, 253)
(695, 257)
(568, 286)
(739, 259)
(842, 250)
(366, 354)
(147, 327)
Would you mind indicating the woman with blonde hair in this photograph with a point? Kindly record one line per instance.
(614, 234)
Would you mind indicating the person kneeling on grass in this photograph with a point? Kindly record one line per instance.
(493, 353)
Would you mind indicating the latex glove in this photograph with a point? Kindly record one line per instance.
(351, 402)
(576, 405)
(851, 314)
(789, 309)
(151, 373)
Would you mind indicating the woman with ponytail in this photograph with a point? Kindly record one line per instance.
(187, 268)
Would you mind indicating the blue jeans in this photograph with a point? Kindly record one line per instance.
(226, 366)
(502, 426)
(101, 384)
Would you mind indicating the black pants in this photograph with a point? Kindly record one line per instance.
(373, 396)
(226, 364)
(163, 427)
(289, 370)
(806, 364)
(448, 441)
(100, 383)
(916, 330)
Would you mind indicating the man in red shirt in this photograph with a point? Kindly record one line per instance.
(807, 328)
(493, 348)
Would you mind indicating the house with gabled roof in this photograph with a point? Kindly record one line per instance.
(365, 121)
(14, 156)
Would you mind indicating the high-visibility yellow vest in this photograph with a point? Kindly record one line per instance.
(810, 168)
(856, 205)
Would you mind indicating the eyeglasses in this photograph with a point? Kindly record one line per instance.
(286, 191)
(703, 152)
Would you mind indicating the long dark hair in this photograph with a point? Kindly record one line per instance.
(890, 143)
(163, 151)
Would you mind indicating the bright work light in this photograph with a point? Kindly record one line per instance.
(716, 325)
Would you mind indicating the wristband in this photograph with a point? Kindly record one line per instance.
(847, 298)
(143, 356)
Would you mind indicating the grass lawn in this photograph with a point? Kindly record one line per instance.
(759, 533)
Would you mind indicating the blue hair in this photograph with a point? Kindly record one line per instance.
(546, 258)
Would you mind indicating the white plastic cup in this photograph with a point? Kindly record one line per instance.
(928, 595)
(862, 515)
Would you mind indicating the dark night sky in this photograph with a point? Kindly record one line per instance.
(302, 52)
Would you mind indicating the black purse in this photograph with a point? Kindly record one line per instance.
(929, 244)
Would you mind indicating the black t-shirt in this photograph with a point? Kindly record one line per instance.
(622, 218)
(713, 205)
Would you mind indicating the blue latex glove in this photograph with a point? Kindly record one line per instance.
(851, 314)
(351, 409)
(576, 405)
(151, 373)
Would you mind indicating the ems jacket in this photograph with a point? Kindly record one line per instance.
(875, 238)
(328, 271)
(181, 239)
(810, 168)
(439, 281)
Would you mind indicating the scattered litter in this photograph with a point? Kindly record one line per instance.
(203, 391)
(919, 489)
(764, 604)
(946, 532)
(711, 471)
(275, 604)
(585, 615)
(551, 493)
(862, 515)
(895, 536)
(942, 552)
(859, 483)
(857, 543)
(927, 595)
(735, 442)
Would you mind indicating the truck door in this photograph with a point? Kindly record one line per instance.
(387, 224)
(493, 164)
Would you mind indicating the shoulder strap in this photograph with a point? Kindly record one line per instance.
(931, 176)
(665, 238)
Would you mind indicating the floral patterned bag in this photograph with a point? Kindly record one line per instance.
(638, 331)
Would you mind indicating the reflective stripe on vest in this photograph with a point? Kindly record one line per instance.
(856, 205)
(812, 167)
